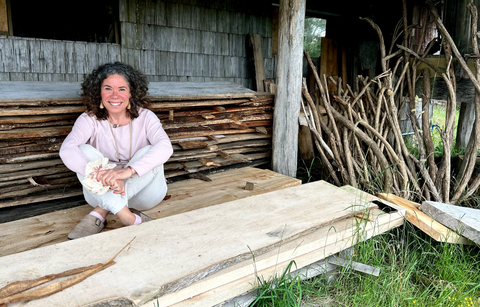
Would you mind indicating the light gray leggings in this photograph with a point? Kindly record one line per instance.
(142, 192)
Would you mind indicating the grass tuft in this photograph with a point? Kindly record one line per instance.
(415, 271)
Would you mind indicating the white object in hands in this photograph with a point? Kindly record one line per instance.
(91, 170)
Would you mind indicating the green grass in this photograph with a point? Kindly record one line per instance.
(415, 271)
(438, 119)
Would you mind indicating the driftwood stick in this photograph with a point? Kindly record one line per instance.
(385, 166)
(81, 274)
(348, 158)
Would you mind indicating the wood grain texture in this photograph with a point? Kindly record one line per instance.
(185, 195)
(425, 223)
(205, 241)
(288, 88)
(242, 277)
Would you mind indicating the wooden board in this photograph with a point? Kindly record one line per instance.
(173, 253)
(425, 223)
(45, 91)
(304, 251)
(256, 41)
(328, 61)
(185, 195)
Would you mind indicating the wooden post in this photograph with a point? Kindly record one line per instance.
(3, 18)
(289, 86)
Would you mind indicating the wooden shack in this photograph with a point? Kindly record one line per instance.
(216, 111)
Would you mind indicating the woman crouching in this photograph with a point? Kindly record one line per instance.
(118, 126)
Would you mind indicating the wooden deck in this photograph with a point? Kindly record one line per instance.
(200, 252)
(187, 195)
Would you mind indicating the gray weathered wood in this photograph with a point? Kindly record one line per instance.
(367, 269)
(22, 55)
(289, 83)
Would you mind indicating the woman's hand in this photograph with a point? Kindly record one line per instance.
(112, 176)
(119, 187)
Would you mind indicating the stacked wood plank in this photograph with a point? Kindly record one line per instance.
(211, 125)
(192, 259)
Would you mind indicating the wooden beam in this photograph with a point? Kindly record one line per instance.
(256, 41)
(289, 85)
(425, 223)
(275, 32)
(3, 17)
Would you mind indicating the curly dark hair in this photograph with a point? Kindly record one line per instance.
(91, 89)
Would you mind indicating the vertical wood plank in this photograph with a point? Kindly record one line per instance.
(79, 49)
(160, 16)
(148, 37)
(131, 10)
(138, 28)
(160, 63)
(9, 55)
(134, 57)
(185, 16)
(275, 31)
(256, 40)
(158, 39)
(140, 13)
(195, 17)
(197, 62)
(179, 64)
(22, 55)
(289, 84)
(172, 14)
(171, 63)
(223, 21)
(2, 61)
(198, 41)
(3, 18)
(206, 66)
(125, 33)
(224, 46)
(91, 57)
(208, 42)
(114, 53)
(59, 54)
(328, 60)
(102, 53)
(218, 67)
(149, 62)
(122, 10)
(188, 65)
(210, 20)
(150, 12)
(168, 33)
(229, 65)
(70, 65)
(46, 47)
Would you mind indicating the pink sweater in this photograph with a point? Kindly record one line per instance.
(146, 130)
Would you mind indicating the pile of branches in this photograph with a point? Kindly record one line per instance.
(359, 137)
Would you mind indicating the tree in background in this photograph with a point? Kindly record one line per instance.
(314, 30)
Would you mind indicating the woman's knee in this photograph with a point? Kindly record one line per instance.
(90, 152)
(140, 153)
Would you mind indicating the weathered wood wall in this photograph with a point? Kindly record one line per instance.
(31, 59)
(188, 40)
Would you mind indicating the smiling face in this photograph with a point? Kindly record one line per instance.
(115, 94)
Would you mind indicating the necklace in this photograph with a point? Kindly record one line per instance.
(116, 145)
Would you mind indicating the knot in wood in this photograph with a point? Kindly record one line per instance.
(389, 92)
